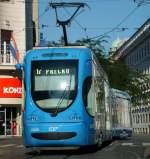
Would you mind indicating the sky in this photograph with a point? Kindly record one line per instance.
(113, 18)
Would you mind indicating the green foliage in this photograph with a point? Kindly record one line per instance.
(56, 44)
(95, 45)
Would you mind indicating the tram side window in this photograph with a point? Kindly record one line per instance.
(87, 95)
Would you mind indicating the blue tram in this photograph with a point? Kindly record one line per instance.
(66, 98)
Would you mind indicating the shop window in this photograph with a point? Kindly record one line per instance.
(11, 121)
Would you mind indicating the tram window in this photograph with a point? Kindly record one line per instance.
(87, 94)
(54, 83)
(86, 89)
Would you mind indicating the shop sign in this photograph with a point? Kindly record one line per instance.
(10, 88)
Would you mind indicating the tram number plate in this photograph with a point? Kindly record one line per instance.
(52, 129)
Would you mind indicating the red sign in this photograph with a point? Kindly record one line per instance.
(10, 88)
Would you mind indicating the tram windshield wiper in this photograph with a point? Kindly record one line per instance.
(62, 97)
(59, 103)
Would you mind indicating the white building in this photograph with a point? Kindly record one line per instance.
(16, 18)
(136, 53)
(141, 119)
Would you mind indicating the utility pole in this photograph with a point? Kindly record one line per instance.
(64, 23)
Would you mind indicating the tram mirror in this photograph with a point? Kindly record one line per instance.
(19, 66)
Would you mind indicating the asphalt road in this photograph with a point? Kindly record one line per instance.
(138, 147)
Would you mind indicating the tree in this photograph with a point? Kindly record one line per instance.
(56, 44)
(125, 78)
(95, 45)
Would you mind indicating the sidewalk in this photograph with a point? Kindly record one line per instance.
(11, 140)
(9, 137)
(145, 138)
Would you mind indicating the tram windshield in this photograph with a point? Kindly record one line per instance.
(54, 83)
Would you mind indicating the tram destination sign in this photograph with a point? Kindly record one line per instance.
(53, 72)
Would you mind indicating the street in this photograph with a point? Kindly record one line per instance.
(138, 147)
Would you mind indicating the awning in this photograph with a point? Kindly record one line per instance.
(10, 100)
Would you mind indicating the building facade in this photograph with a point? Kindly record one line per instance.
(141, 119)
(16, 20)
(136, 53)
(36, 38)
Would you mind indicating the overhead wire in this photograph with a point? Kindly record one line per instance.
(117, 26)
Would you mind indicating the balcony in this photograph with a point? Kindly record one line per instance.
(7, 61)
(7, 58)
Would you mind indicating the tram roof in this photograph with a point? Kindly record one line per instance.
(71, 47)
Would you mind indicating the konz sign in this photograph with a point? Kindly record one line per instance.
(10, 88)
